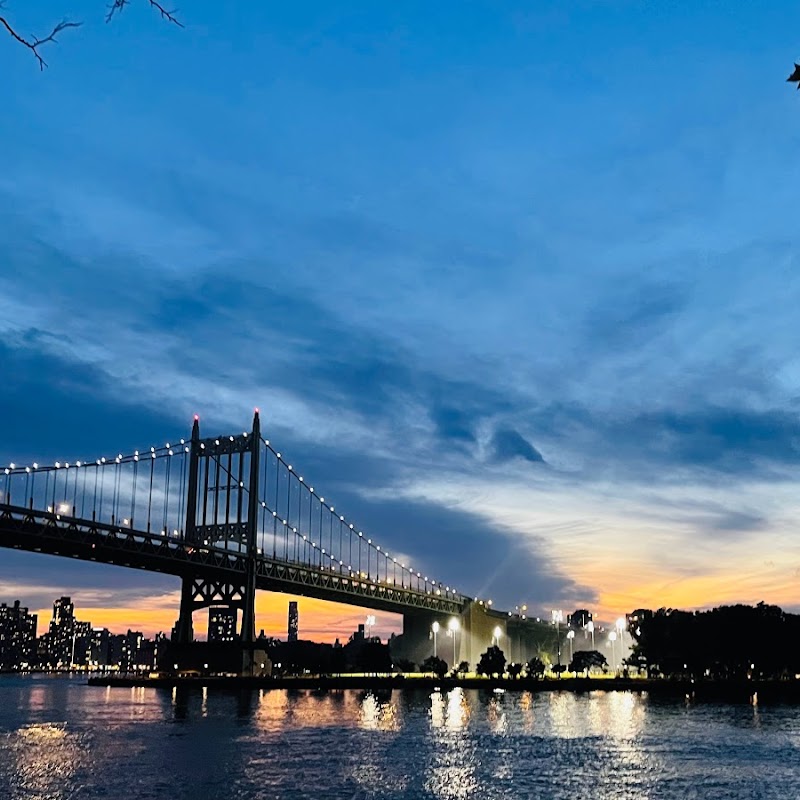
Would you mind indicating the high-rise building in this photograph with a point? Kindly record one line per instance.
(294, 621)
(222, 624)
(17, 636)
(61, 633)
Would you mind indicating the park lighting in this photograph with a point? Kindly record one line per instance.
(612, 637)
(497, 634)
(570, 637)
(453, 626)
(590, 627)
(435, 630)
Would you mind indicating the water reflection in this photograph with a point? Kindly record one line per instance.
(46, 757)
(60, 740)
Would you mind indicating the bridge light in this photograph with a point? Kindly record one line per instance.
(241, 484)
(27, 469)
(136, 458)
(36, 466)
(231, 438)
(152, 455)
(216, 442)
(202, 446)
(278, 455)
(311, 489)
(341, 519)
(119, 455)
(183, 441)
(125, 522)
(289, 467)
(300, 479)
(322, 500)
(171, 453)
(12, 466)
(58, 465)
(185, 449)
(152, 449)
(266, 442)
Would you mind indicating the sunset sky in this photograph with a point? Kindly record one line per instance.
(516, 283)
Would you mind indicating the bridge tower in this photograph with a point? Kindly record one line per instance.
(222, 511)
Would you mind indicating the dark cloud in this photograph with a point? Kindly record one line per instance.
(626, 315)
(508, 444)
(454, 546)
(453, 424)
(739, 522)
(53, 408)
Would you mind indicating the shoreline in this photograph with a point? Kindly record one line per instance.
(734, 691)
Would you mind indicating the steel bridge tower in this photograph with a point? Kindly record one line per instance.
(221, 510)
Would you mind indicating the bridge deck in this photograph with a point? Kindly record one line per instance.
(88, 540)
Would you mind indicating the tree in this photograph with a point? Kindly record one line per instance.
(493, 662)
(584, 660)
(404, 665)
(461, 668)
(435, 665)
(514, 670)
(535, 668)
(34, 43)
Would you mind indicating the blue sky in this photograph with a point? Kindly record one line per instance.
(518, 287)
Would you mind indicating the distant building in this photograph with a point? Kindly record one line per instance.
(17, 636)
(60, 636)
(222, 624)
(294, 621)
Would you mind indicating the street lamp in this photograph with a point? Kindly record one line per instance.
(452, 628)
(620, 626)
(612, 637)
(558, 617)
(590, 628)
(435, 630)
(570, 637)
(370, 623)
(497, 634)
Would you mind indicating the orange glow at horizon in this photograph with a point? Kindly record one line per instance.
(320, 620)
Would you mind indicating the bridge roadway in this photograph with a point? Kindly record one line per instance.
(88, 540)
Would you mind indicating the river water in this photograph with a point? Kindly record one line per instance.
(61, 739)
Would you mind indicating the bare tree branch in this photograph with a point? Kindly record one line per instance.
(34, 43)
(117, 5)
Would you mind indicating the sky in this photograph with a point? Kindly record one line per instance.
(516, 283)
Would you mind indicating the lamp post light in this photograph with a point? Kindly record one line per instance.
(570, 637)
(435, 631)
(370, 623)
(612, 637)
(620, 626)
(558, 618)
(496, 634)
(452, 628)
(590, 628)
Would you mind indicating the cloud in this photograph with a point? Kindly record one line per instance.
(508, 444)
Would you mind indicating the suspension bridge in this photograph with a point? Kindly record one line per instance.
(227, 515)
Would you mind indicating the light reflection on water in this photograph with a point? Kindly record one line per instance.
(60, 739)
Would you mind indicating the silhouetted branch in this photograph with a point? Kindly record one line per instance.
(34, 43)
(118, 5)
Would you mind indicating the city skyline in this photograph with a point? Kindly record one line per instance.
(528, 329)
